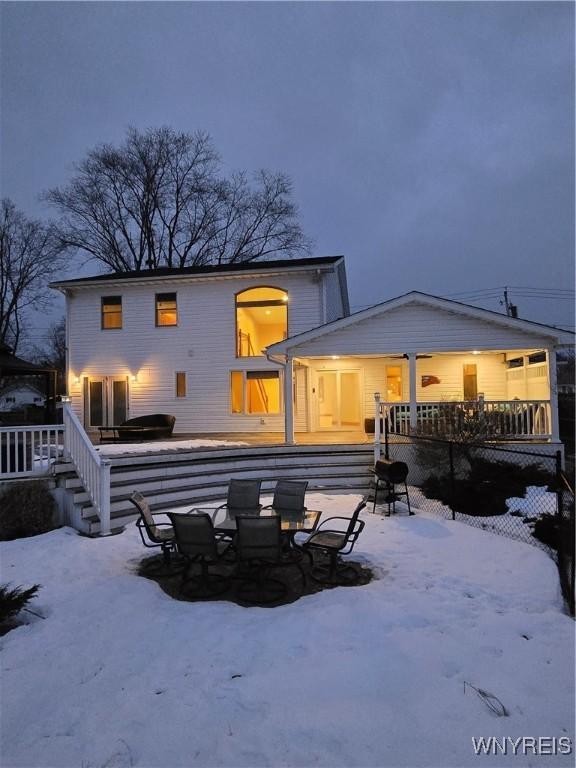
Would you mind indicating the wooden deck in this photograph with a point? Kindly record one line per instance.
(268, 438)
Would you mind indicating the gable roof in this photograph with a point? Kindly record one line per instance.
(417, 297)
(202, 271)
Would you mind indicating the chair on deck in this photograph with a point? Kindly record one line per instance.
(154, 535)
(259, 547)
(197, 543)
(334, 543)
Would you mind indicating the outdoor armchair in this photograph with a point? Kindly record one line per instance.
(334, 543)
(243, 498)
(289, 497)
(197, 543)
(154, 534)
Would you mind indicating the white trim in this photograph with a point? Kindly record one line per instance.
(416, 297)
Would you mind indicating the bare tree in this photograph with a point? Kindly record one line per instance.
(158, 200)
(30, 254)
(52, 353)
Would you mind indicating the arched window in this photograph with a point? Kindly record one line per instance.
(261, 320)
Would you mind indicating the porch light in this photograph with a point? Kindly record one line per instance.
(134, 377)
(76, 379)
(475, 352)
(335, 357)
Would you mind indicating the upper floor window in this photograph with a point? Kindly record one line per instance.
(261, 320)
(166, 309)
(111, 312)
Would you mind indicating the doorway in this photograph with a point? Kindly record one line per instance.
(105, 401)
(339, 400)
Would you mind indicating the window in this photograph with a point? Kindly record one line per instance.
(516, 362)
(111, 312)
(261, 320)
(255, 392)
(470, 382)
(393, 383)
(166, 310)
(181, 384)
(537, 357)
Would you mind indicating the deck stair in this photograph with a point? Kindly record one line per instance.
(193, 477)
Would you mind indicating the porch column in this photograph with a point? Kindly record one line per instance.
(553, 384)
(412, 384)
(288, 403)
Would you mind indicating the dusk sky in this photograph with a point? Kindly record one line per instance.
(430, 143)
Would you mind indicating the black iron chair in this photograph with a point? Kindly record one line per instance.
(334, 543)
(243, 498)
(197, 543)
(289, 496)
(154, 535)
(259, 551)
(391, 474)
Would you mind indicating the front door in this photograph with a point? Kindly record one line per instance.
(105, 400)
(339, 400)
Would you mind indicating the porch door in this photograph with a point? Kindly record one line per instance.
(106, 400)
(339, 401)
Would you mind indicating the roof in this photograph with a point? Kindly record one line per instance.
(10, 365)
(202, 271)
(527, 326)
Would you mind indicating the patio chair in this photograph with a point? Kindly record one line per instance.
(289, 497)
(259, 547)
(154, 535)
(334, 543)
(197, 543)
(243, 498)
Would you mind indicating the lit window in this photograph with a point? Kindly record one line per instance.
(537, 357)
(261, 320)
(166, 310)
(180, 383)
(255, 392)
(111, 312)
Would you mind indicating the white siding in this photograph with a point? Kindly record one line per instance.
(203, 345)
(416, 327)
(332, 297)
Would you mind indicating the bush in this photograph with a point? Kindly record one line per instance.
(552, 530)
(26, 509)
(13, 600)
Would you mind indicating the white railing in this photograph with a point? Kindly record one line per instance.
(92, 468)
(29, 451)
(498, 419)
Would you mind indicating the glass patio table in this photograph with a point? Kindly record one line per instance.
(291, 522)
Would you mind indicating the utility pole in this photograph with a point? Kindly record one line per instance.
(511, 309)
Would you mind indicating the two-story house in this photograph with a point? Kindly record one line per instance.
(191, 342)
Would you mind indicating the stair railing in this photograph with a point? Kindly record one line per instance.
(92, 468)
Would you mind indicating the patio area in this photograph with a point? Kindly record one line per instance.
(117, 673)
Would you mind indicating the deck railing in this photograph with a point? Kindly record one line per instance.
(495, 419)
(29, 451)
(92, 468)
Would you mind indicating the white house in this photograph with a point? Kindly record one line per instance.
(271, 347)
(191, 342)
(19, 395)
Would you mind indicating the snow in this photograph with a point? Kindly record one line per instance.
(115, 449)
(537, 499)
(119, 674)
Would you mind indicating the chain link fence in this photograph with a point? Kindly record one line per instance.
(513, 492)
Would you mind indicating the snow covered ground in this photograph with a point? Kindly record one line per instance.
(119, 674)
(115, 449)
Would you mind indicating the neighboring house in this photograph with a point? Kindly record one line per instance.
(19, 395)
(191, 342)
(270, 346)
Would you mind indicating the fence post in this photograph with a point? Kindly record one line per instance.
(386, 442)
(376, 426)
(451, 457)
(559, 491)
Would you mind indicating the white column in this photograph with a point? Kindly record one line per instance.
(553, 384)
(288, 402)
(412, 384)
(376, 426)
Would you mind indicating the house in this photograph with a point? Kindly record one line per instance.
(191, 342)
(272, 347)
(19, 395)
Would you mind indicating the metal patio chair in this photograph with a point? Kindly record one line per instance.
(334, 543)
(289, 496)
(243, 498)
(154, 535)
(197, 543)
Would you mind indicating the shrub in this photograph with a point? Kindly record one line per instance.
(552, 530)
(13, 600)
(26, 509)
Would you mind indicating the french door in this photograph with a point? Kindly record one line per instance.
(105, 400)
(339, 400)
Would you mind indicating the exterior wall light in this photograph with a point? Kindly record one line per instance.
(134, 377)
(335, 357)
(76, 379)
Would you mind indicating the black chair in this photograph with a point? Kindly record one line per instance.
(334, 543)
(289, 497)
(196, 542)
(154, 535)
(259, 548)
(243, 498)
(391, 474)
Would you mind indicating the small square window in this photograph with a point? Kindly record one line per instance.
(166, 309)
(111, 312)
(181, 384)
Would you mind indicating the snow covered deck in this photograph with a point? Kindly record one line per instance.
(119, 674)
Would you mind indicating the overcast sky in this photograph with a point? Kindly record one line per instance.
(430, 143)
